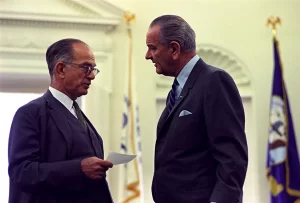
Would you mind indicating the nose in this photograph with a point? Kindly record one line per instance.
(148, 55)
(91, 76)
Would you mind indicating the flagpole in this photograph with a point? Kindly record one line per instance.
(273, 21)
(129, 17)
(283, 186)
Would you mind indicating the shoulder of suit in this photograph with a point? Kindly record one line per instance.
(33, 107)
(215, 71)
(212, 76)
(207, 68)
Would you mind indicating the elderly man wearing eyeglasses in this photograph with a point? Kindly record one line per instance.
(55, 153)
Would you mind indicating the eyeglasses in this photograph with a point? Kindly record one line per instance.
(87, 68)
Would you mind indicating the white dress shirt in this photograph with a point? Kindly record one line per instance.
(64, 99)
(184, 74)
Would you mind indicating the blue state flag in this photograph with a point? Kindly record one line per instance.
(283, 166)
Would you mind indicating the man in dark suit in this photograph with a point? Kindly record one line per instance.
(55, 154)
(201, 150)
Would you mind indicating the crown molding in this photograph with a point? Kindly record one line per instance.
(86, 13)
(94, 5)
(32, 18)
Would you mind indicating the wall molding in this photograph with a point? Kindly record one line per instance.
(33, 29)
(17, 18)
(226, 60)
(218, 57)
(100, 13)
(34, 72)
(27, 33)
(27, 42)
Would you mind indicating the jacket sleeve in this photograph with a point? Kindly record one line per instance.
(25, 167)
(225, 121)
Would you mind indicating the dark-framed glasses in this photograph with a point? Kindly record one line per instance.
(86, 67)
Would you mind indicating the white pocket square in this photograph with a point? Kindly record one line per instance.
(184, 113)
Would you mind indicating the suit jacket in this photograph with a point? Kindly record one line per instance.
(202, 157)
(41, 144)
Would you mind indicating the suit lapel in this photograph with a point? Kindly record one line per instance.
(182, 96)
(184, 93)
(59, 118)
(162, 120)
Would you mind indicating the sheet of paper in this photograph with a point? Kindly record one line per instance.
(117, 158)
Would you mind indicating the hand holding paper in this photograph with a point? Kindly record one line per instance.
(95, 168)
(117, 158)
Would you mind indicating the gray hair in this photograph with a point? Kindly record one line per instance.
(61, 50)
(175, 28)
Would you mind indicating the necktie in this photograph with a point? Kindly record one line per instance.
(172, 96)
(79, 114)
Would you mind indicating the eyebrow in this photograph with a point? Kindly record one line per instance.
(90, 64)
(151, 45)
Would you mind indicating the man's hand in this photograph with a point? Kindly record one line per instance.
(95, 168)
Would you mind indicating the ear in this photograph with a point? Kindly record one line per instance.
(59, 70)
(175, 48)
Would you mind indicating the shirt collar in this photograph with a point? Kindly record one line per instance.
(64, 99)
(185, 72)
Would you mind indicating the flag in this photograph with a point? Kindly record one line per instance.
(283, 166)
(131, 178)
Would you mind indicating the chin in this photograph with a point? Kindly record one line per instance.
(159, 71)
(84, 92)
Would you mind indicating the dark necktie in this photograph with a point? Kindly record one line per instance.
(79, 114)
(172, 95)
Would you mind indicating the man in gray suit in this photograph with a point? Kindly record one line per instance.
(201, 150)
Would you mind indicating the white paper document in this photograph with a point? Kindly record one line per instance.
(117, 158)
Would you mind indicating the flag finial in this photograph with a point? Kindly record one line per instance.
(129, 17)
(273, 21)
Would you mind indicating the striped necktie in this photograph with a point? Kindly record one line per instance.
(79, 115)
(172, 95)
